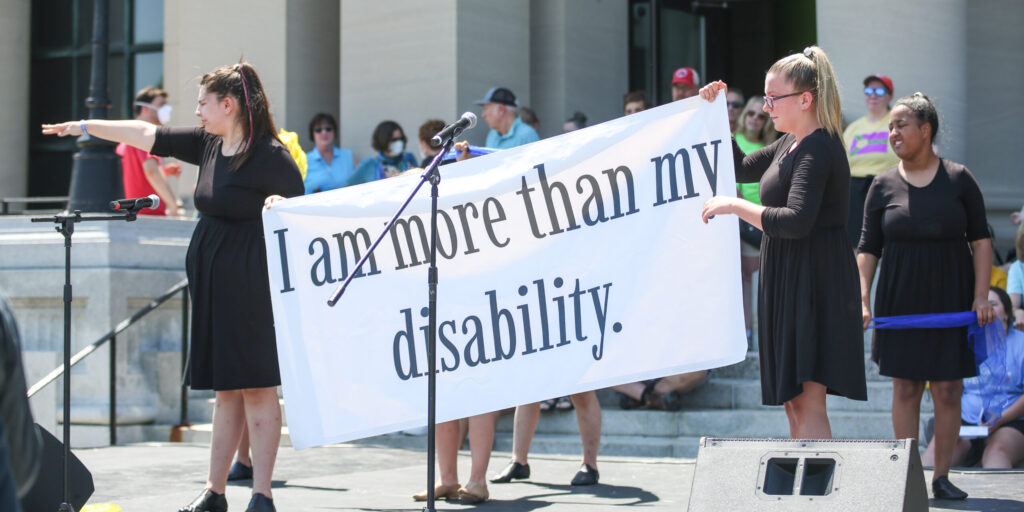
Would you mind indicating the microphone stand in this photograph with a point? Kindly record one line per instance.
(65, 225)
(432, 175)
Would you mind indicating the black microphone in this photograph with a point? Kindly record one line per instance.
(151, 201)
(467, 121)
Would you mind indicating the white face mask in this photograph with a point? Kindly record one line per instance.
(163, 114)
(396, 147)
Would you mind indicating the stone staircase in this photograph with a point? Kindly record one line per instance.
(728, 405)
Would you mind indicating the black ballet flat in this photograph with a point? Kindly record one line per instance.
(239, 471)
(260, 503)
(585, 476)
(514, 470)
(207, 501)
(943, 489)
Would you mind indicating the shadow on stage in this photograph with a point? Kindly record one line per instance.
(979, 504)
(548, 495)
(282, 484)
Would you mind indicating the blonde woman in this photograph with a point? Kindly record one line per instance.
(754, 130)
(809, 329)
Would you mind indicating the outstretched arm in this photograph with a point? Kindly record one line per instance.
(133, 132)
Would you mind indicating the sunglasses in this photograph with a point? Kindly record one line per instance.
(875, 91)
(321, 129)
(762, 115)
(735, 104)
(770, 100)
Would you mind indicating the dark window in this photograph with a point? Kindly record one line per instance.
(734, 40)
(59, 81)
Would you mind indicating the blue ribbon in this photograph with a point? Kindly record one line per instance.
(473, 150)
(988, 343)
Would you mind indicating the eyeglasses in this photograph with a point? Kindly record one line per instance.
(327, 129)
(875, 91)
(769, 101)
(735, 104)
(762, 115)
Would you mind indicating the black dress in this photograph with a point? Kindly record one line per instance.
(233, 341)
(921, 235)
(809, 317)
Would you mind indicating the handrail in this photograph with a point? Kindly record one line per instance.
(4, 202)
(124, 324)
(181, 287)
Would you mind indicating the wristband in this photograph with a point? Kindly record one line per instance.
(82, 124)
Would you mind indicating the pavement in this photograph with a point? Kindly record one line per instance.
(165, 476)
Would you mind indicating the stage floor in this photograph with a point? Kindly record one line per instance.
(165, 476)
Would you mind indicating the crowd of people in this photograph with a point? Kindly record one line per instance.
(821, 208)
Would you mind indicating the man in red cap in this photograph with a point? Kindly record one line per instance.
(685, 83)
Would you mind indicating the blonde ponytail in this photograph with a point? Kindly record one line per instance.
(811, 70)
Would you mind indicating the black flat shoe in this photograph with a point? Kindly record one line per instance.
(943, 489)
(585, 476)
(260, 503)
(239, 471)
(207, 501)
(514, 470)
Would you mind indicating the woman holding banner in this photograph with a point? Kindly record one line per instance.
(808, 309)
(926, 216)
(242, 168)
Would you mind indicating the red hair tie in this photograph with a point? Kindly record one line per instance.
(245, 89)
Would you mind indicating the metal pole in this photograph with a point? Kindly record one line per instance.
(435, 178)
(67, 229)
(96, 172)
(113, 391)
(184, 355)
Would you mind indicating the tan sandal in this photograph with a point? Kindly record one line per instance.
(441, 492)
(474, 493)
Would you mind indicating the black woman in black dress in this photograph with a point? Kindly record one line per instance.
(925, 219)
(242, 167)
(809, 333)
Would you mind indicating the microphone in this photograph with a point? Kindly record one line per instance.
(151, 201)
(467, 121)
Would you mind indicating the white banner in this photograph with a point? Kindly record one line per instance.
(574, 263)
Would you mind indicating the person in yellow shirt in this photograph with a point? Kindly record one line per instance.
(867, 147)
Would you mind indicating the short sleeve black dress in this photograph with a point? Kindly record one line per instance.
(809, 318)
(233, 341)
(921, 235)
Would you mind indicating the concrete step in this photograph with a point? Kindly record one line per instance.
(200, 410)
(202, 432)
(98, 436)
(750, 368)
(565, 444)
(708, 422)
(725, 393)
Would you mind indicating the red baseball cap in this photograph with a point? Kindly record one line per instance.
(881, 78)
(685, 76)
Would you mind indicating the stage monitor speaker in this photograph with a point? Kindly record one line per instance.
(48, 492)
(808, 475)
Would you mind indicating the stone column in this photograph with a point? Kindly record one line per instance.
(409, 61)
(15, 51)
(995, 70)
(920, 44)
(312, 66)
(578, 60)
(199, 36)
